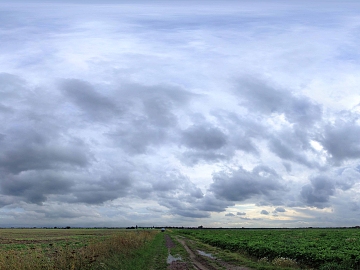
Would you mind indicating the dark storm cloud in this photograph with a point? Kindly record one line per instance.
(318, 193)
(292, 146)
(180, 205)
(203, 137)
(280, 209)
(192, 214)
(212, 204)
(258, 95)
(342, 141)
(289, 143)
(105, 188)
(177, 193)
(34, 187)
(239, 185)
(150, 117)
(324, 186)
(95, 105)
(204, 143)
(243, 131)
(94, 196)
(28, 149)
(158, 112)
(166, 184)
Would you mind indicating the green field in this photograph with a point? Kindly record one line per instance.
(305, 248)
(72, 249)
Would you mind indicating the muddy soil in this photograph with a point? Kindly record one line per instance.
(175, 265)
(198, 261)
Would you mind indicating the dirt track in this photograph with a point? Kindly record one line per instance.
(175, 265)
(197, 261)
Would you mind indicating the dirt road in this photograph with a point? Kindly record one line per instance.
(197, 261)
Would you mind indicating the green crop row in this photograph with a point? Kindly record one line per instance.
(311, 247)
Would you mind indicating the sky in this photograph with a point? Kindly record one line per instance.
(180, 113)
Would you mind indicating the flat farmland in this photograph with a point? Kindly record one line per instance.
(80, 249)
(330, 248)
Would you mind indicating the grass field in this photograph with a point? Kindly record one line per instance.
(105, 249)
(62, 249)
(328, 249)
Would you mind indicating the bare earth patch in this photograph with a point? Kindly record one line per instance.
(198, 261)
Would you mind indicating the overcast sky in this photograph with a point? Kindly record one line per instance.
(231, 113)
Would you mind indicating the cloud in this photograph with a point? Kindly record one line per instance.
(138, 136)
(212, 204)
(241, 131)
(280, 209)
(264, 212)
(10, 85)
(157, 210)
(117, 118)
(27, 149)
(240, 185)
(341, 141)
(95, 105)
(203, 138)
(229, 215)
(318, 193)
(191, 158)
(149, 119)
(259, 95)
(98, 191)
(292, 145)
(34, 187)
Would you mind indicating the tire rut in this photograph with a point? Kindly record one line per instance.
(198, 262)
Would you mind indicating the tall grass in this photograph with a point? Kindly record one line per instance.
(93, 255)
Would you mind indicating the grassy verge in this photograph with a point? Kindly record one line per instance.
(152, 255)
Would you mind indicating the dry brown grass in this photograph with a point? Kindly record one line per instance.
(89, 256)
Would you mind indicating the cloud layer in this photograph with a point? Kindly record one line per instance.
(220, 115)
